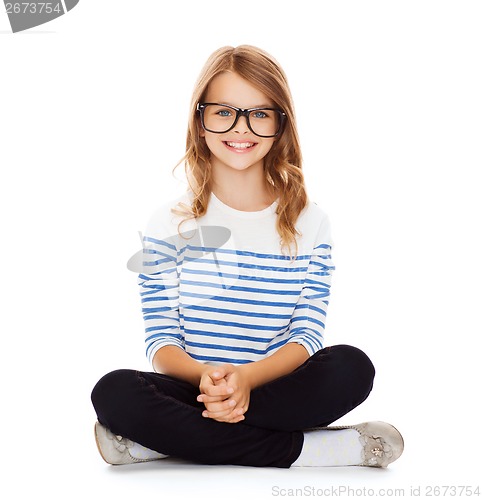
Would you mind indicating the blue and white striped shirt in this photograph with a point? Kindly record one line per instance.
(224, 292)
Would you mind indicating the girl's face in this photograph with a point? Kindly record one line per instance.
(239, 148)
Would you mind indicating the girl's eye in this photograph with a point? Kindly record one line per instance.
(224, 112)
(260, 114)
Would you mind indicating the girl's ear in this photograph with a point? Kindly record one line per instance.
(202, 132)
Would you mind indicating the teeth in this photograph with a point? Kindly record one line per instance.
(240, 145)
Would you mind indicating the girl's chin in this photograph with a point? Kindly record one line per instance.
(237, 162)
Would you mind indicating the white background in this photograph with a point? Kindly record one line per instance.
(93, 115)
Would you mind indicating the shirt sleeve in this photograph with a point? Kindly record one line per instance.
(308, 321)
(159, 288)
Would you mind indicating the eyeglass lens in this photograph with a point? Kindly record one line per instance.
(220, 119)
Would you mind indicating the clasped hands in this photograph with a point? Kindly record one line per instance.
(225, 392)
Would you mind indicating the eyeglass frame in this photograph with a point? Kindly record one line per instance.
(240, 112)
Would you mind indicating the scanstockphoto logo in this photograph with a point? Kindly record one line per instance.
(195, 251)
(26, 15)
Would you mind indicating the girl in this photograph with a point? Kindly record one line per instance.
(234, 318)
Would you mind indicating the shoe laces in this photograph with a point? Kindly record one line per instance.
(122, 443)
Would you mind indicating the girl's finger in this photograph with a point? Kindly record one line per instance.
(230, 420)
(216, 415)
(204, 398)
(225, 407)
(234, 416)
(217, 390)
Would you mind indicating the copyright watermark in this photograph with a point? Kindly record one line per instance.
(363, 492)
(26, 15)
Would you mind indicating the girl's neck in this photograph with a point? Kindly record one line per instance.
(247, 200)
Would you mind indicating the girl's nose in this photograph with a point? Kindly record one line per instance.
(241, 126)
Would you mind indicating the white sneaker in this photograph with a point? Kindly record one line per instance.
(382, 443)
(116, 450)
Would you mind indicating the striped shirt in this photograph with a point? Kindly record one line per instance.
(224, 292)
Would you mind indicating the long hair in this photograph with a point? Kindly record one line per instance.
(282, 164)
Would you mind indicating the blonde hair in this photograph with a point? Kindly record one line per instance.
(282, 164)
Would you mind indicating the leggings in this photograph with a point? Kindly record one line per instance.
(161, 412)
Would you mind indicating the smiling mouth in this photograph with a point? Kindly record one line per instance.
(240, 145)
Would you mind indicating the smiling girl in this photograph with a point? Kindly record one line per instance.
(235, 313)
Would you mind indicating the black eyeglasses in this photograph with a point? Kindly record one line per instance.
(221, 118)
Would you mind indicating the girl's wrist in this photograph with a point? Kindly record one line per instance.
(248, 374)
(203, 369)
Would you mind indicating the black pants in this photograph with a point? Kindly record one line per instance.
(161, 412)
